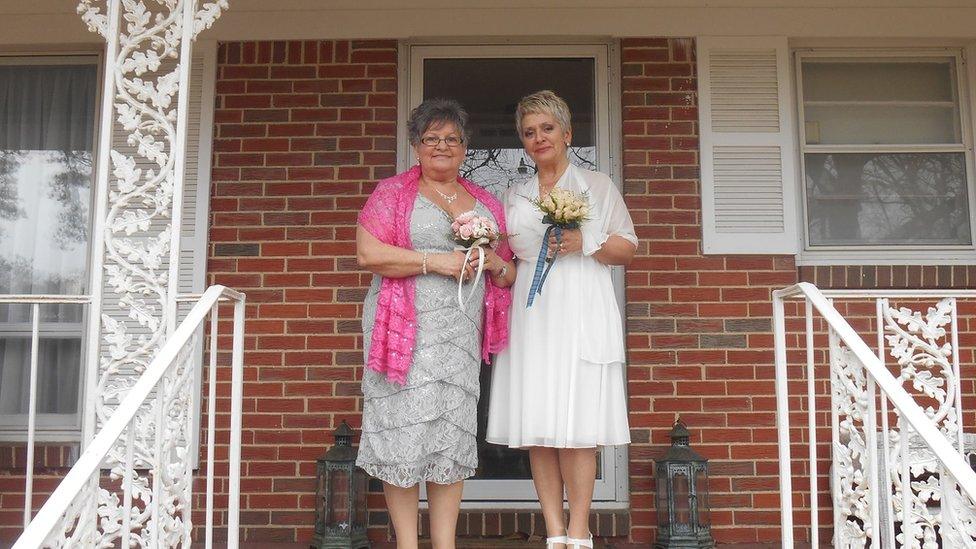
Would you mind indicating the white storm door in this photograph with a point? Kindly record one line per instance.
(489, 80)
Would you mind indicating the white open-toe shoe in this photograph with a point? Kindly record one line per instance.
(551, 542)
(577, 543)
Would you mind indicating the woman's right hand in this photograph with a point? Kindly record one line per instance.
(450, 264)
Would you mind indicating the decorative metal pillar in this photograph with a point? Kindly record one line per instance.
(135, 255)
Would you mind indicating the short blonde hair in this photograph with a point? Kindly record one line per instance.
(543, 102)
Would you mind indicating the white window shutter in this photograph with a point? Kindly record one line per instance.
(748, 150)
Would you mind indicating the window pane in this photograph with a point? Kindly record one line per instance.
(895, 101)
(887, 199)
(44, 221)
(47, 114)
(490, 89)
(57, 375)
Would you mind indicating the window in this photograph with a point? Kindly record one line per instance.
(489, 80)
(885, 152)
(47, 114)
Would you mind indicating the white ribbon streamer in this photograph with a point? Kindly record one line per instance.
(477, 277)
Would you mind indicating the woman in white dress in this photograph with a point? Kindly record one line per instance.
(558, 389)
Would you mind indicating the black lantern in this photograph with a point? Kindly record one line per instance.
(340, 497)
(682, 496)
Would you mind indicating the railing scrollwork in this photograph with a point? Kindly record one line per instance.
(898, 477)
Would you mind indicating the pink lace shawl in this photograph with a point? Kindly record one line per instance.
(386, 216)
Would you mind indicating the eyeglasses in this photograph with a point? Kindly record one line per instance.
(433, 140)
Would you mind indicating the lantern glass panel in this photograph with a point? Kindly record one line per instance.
(701, 489)
(682, 497)
(339, 498)
(662, 499)
(360, 483)
(320, 495)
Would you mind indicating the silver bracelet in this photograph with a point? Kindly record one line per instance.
(503, 272)
(423, 265)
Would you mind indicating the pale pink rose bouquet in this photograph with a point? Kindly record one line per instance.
(473, 231)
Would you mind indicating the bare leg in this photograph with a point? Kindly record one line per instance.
(578, 468)
(444, 501)
(549, 486)
(403, 505)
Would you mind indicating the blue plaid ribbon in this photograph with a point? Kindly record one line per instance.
(539, 277)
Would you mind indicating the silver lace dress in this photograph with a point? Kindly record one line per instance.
(425, 430)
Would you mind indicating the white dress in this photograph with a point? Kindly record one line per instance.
(561, 381)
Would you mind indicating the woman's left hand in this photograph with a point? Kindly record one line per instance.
(493, 263)
(571, 243)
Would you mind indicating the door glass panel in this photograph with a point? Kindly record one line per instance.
(489, 89)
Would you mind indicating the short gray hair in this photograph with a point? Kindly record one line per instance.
(434, 113)
(544, 102)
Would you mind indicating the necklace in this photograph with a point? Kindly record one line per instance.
(555, 181)
(449, 198)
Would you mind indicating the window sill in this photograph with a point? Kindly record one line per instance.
(41, 435)
(885, 257)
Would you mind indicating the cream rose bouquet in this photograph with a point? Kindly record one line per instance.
(473, 231)
(561, 209)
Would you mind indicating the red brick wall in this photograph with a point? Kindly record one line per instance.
(51, 462)
(304, 128)
(698, 326)
(302, 131)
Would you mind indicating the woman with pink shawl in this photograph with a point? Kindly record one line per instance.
(423, 348)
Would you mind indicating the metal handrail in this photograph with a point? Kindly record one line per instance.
(943, 450)
(91, 459)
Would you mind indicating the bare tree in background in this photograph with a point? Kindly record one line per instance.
(496, 169)
(887, 198)
(70, 187)
(10, 162)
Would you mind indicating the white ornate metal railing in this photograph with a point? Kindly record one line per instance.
(903, 485)
(144, 500)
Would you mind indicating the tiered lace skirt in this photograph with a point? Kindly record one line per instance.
(424, 431)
